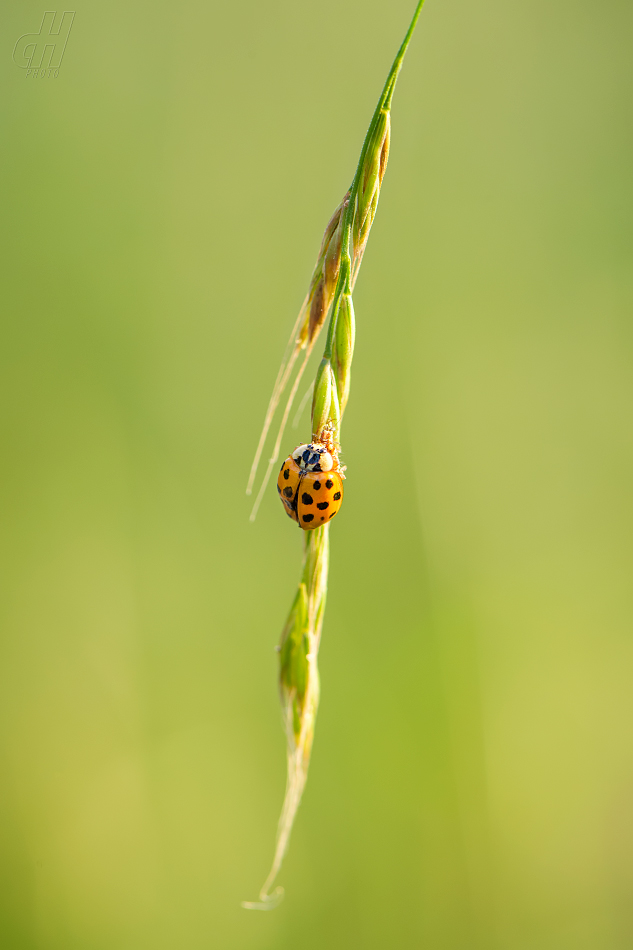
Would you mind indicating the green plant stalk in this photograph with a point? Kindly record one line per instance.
(299, 647)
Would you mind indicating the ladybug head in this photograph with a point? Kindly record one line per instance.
(313, 457)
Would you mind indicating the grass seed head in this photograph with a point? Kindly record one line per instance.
(375, 163)
(372, 174)
(325, 405)
(326, 270)
(343, 350)
(293, 664)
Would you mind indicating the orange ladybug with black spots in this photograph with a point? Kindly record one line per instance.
(310, 485)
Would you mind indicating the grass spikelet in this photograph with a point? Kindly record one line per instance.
(299, 693)
(330, 293)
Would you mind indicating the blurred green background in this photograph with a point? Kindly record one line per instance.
(164, 198)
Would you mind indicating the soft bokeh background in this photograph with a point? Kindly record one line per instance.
(163, 201)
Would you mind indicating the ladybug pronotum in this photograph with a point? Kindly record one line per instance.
(310, 486)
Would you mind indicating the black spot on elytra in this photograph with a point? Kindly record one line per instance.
(332, 513)
(316, 485)
(286, 473)
(308, 517)
(307, 499)
(322, 505)
(288, 492)
(329, 484)
(336, 495)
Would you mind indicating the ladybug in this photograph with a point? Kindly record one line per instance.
(310, 485)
